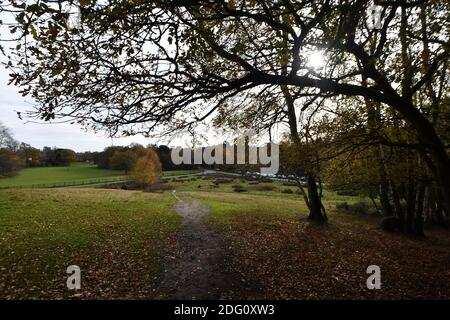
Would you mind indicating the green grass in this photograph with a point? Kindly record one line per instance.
(110, 234)
(330, 197)
(226, 206)
(76, 173)
(113, 235)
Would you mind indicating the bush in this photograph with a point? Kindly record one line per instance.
(361, 208)
(290, 184)
(264, 188)
(239, 188)
(343, 206)
(253, 182)
(123, 160)
(346, 193)
(223, 180)
(356, 208)
(390, 224)
(288, 191)
(10, 163)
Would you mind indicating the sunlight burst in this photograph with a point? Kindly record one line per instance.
(316, 60)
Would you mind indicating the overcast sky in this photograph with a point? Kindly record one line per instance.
(40, 135)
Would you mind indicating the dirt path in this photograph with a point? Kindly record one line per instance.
(195, 262)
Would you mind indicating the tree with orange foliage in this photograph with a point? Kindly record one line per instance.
(147, 169)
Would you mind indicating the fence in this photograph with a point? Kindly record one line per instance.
(67, 183)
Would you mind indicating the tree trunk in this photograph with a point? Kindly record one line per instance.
(439, 211)
(315, 204)
(424, 128)
(397, 204)
(418, 222)
(313, 200)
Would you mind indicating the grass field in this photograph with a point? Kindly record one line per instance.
(108, 233)
(115, 236)
(76, 173)
(272, 189)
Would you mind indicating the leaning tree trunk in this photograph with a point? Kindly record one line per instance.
(315, 203)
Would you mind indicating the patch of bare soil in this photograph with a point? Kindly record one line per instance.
(294, 259)
(195, 261)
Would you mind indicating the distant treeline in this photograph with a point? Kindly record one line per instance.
(123, 157)
(14, 159)
(15, 156)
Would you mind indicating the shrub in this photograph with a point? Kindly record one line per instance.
(10, 163)
(360, 208)
(390, 224)
(264, 188)
(253, 182)
(239, 189)
(343, 206)
(356, 208)
(223, 180)
(289, 191)
(123, 160)
(346, 193)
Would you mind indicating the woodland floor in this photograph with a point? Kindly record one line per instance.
(269, 257)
